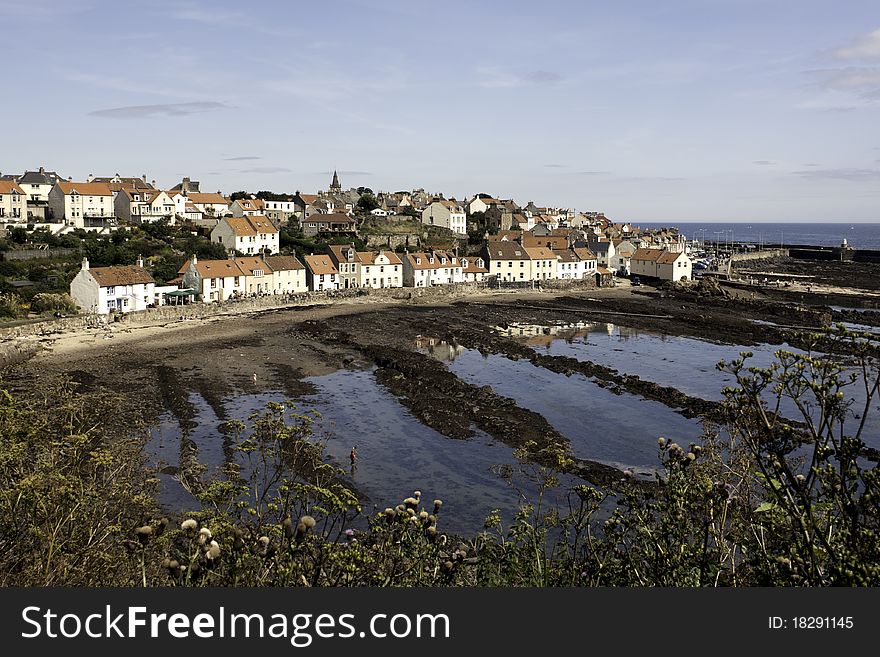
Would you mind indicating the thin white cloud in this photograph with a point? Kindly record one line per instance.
(240, 158)
(843, 173)
(266, 170)
(866, 46)
(493, 78)
(150, 111)
(763, 163)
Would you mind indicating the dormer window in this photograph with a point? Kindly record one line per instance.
(418, 261)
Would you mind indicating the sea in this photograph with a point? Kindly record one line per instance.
(857, 235)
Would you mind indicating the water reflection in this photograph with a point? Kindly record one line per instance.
(396, 453)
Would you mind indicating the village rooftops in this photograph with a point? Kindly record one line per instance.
(584, 254)
(320, 264)
(566, 255)
(120, 275)
(84, 188)
(503, 250)
(10, 186)
(249, 265)
(540, 253)
(214, 268)
(283, 263)
(369, 257)
(247, 226)
(649, 255)
(470, 266)
(668, 258)
(432, 260)
(210, 198)
(41, 177)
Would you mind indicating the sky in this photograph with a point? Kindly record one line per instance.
(681, 110)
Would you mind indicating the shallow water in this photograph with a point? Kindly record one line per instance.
(620, 430)
(685, 363)
(397, 454)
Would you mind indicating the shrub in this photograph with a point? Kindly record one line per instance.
(47, 302)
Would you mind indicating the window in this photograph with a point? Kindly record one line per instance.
(111, 290)
(213, 283)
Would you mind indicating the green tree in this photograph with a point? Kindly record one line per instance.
(366, 203)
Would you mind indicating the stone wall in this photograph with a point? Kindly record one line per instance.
(393, 240)
(759, 255)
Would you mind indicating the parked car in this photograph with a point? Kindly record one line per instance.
(635, 281)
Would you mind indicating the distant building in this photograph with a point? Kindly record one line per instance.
(249, 235)
(105, 290)
(37, 185)
(82, 204)
(446, 214)
(338, 224)
(661, 264)
(427, 268)
(213, 280)
(321, 273)
(289, 274)
(143, 206)
(13, 203)
(247, 207)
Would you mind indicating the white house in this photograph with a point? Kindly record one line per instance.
(215, 205)
(424, 269)
(280, 212)
(665, 265)
(213, 280)
(379, 212)
(249, 235)
(321, 273)
(380, 269)
(542, 263)
(473, 269)
(37, 185)
(13, 202)
(258, 275)
(507, 260)
(81, 204)
(569, 266)
(142, 206)
(247, 207)
(478, 204)
(105, 290)
(289, 274)
(446, 214)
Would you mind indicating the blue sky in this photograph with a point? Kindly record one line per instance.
(650, 111)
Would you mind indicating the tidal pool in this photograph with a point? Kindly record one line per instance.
(397, 454)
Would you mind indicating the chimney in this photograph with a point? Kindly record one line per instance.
(90, 178)
(85, 264)
(140, 261)
(193, 260)
(144, 178)
(42, 170)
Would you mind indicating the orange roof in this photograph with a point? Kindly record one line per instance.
(647, 255)
(251, 203)
(540, 253)
(85, 188)
(246, 226)
(369, 257)
(320, 264)
(585, 254)
(283, 263)
(120, 275)
(668, 258)
(10, 186)
(217, 199)
(250, 264)
(530, 241)
(214, 268)
(309, 198)
(422, 260)
(471, 265)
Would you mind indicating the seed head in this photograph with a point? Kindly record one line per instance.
(438, 504)
(144, 533)
(213, 551)
(189, 524)
(204, 535)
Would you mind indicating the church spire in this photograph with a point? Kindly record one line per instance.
(335, 186)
